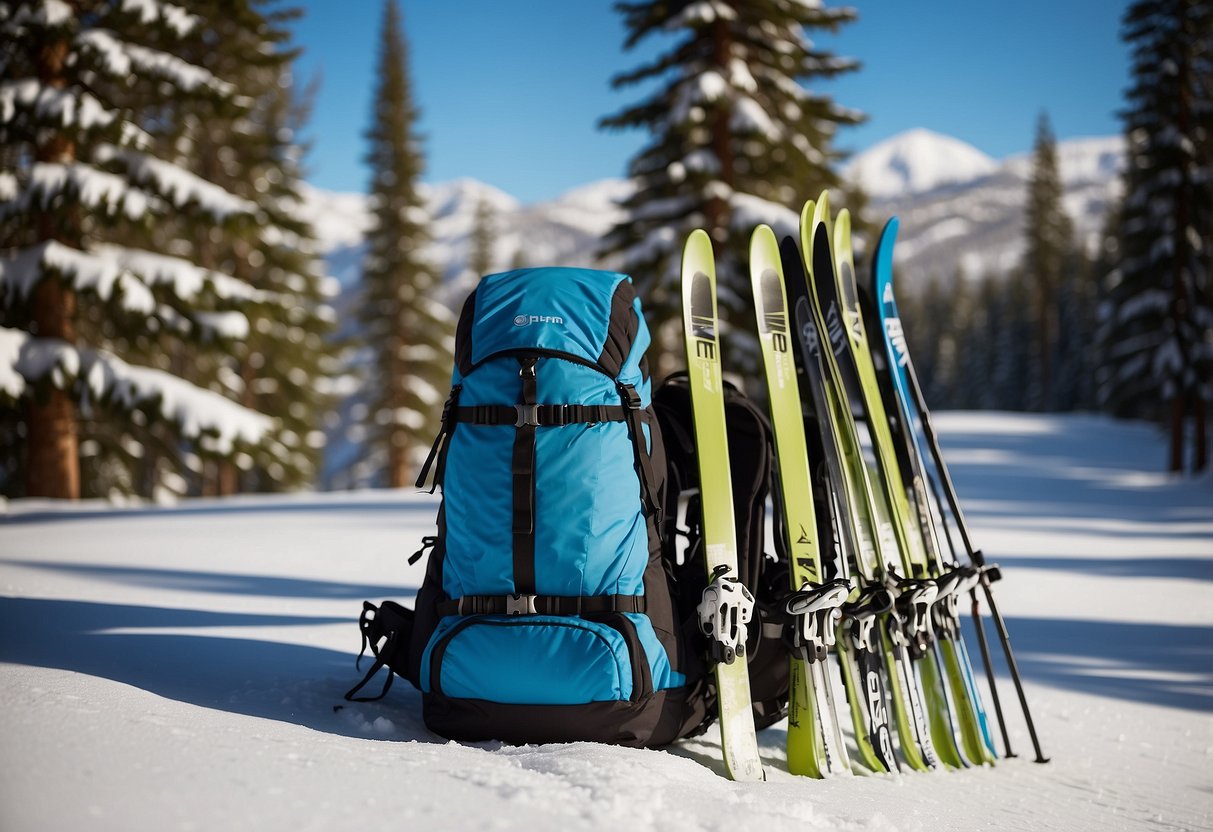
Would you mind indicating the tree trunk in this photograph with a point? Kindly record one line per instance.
(1177, 433)
(53, 458)
(1200, 425)
(398, 461)
(717, 209)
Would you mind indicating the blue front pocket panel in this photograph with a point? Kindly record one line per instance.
(539, 660)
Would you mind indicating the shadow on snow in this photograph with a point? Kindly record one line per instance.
(232, 506)
(1198, 569)
(185, 580)
(293, 683)
(1113, 659)
(1071, 473)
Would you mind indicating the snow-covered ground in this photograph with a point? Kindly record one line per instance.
(182, 668)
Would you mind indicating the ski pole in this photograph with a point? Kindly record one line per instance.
(1005, 637)
(978, 558)
(988, 664)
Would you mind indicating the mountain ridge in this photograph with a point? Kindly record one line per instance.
(961, 211)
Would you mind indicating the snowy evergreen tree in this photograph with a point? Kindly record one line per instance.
(408, 330)
(1049, 257)
(986, 328)
(283, 366)
(1077, 303)
(482, 256)
(735, 139)
(1157, 330)
(98, 261)
(1013, 370)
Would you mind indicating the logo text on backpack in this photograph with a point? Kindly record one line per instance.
(524, 320)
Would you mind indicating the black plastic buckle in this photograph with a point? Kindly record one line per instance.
(520, 605)
(528, 414)
(631, 398)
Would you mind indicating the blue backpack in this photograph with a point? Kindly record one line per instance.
(546, 613)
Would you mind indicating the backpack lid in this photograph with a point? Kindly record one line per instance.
(588, 314)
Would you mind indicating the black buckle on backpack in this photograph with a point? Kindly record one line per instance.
(520, 605)
(631, 397)
(528, 414)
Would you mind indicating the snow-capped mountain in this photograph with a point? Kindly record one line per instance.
(976, 227)
(563, 231)
(959, 210)
(916, 162)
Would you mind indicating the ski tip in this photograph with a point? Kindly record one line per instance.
(697, 239)
(842, 235)
(822, 245)
(821, 215)
(883, 261)
(806, 213)
(763, 237)
(697, 253)
(890, 229)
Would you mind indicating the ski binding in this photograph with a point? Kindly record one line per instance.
(727, 607)
(815, 611)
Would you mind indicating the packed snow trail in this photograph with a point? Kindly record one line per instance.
(182, 668)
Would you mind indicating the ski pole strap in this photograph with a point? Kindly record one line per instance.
(539, 415)
(541, 604)
(634, 415)
(442, 442)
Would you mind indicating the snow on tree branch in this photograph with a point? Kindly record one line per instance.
(53, 107)
(217, 423)
(120, 59)
(173, 16)
(91, 187)
(132, 271)
(176, 184)
(48, 14)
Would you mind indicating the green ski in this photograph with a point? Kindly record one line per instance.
(952, 709)
(849, 522)
(815, 744)
(905, 625)
(727, 605)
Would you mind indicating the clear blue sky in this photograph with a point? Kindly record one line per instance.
(510, 90)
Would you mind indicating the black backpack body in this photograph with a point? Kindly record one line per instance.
(751, 467)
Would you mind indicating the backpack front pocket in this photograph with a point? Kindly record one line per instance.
(534, 660)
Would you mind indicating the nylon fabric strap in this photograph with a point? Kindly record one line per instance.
(544, 604)
(644, 464)
(523, 471)
(545, 415)
(442, 442)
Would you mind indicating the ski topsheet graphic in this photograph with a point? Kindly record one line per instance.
(905, 626)
(916, 419)
(727, 605)
(815, 744)
(860, 654)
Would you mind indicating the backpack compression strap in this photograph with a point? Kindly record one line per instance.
(523, 469)
(541, 604)
(541, 415)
